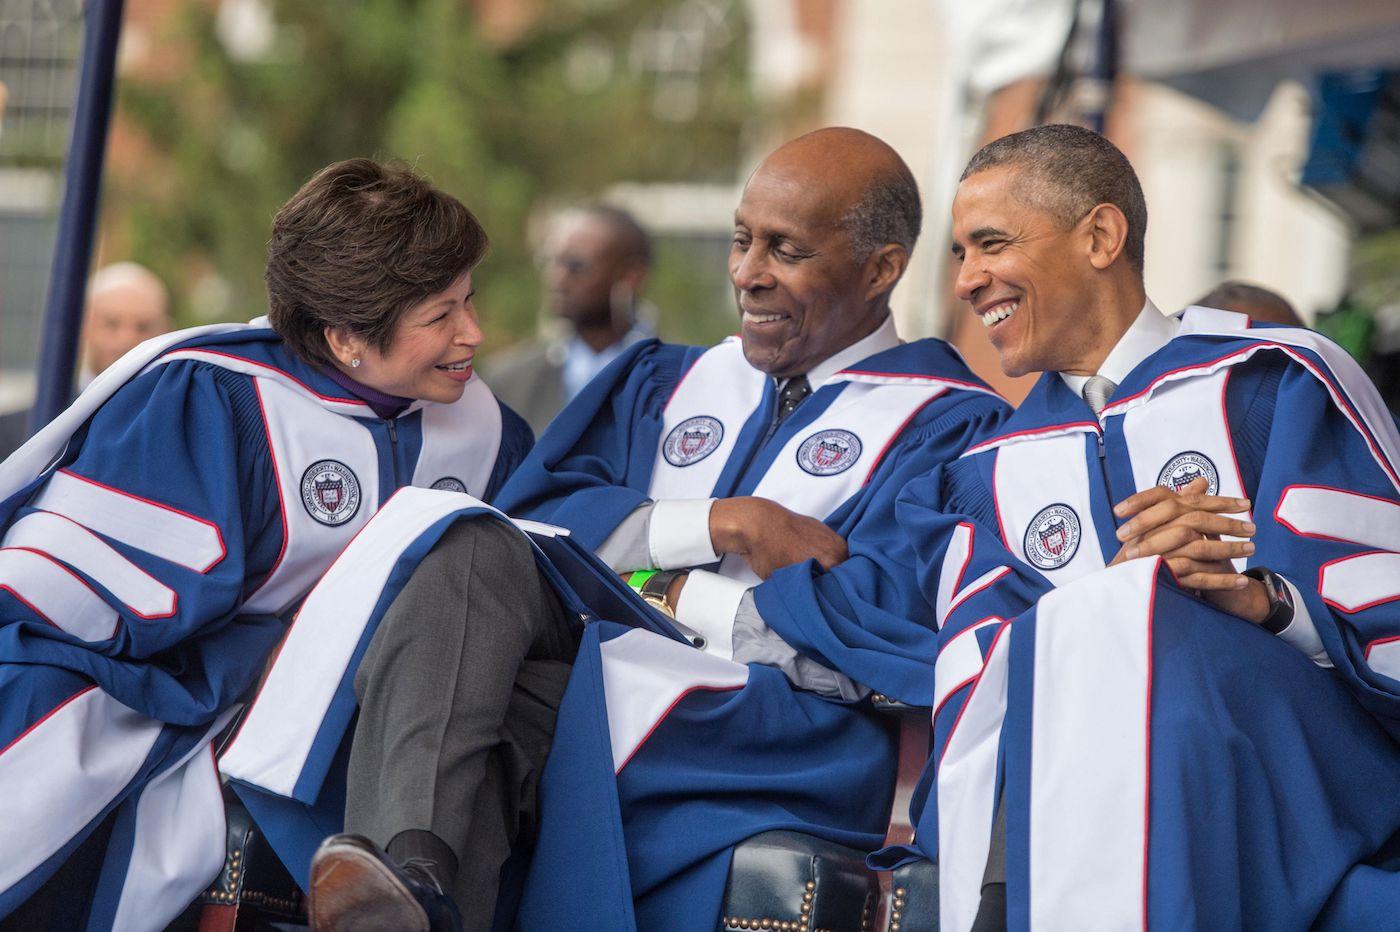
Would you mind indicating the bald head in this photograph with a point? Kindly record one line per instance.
(126, 305)
(821, 237)
(856, 181)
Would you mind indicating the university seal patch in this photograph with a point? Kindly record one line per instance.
(449, 484)
(692, 440)
(330, 492)
(828, 452)
(1053, 537)
(1185, 468)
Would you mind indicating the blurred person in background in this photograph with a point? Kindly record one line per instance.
(127, 304)
(595, 266)
(1256, 302)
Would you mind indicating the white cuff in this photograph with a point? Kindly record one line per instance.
(707, 606)
(1301, 631)
(679, 534)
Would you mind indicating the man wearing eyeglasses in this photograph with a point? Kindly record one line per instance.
(595, 266)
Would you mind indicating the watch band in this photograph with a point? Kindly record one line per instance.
(653, 591)
(1280, 599)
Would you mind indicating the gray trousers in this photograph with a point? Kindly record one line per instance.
(458, 694)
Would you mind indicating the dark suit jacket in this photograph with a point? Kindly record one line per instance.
(530, 379)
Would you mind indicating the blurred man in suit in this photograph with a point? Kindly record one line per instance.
(595, 267)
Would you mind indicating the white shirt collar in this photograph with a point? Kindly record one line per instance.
(1150, 332)
(885, 337)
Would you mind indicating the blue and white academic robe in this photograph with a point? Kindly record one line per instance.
(666, 756)
(1162, 763)
(153, 539)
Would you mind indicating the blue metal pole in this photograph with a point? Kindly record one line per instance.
(77, 217)
(1105, 64)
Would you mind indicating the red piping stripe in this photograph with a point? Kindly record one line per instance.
(963, 711)
(174, 596)
(998, 441)
(1147, 748)
(218, 535)
(895, 436)
(1322, 572)
(669, 709)
(186, 353)
(48, 715)
(281, 496)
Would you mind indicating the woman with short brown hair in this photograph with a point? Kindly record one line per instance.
(157, 536)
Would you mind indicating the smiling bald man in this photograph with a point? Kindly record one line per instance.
(752, 487)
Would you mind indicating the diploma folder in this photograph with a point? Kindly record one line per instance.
(598, 590)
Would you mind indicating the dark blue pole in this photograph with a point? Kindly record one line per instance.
(77, 216)
(1105, 64)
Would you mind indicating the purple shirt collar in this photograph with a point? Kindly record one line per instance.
(385, 406)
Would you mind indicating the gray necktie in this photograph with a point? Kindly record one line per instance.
(1097, 391)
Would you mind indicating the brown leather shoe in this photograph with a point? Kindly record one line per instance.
(356, 887)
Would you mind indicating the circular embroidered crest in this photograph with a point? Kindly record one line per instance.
(1053, 537)
(692, 440)
(449, 484)
(330, 492)
(828, 452)
(1187, 467)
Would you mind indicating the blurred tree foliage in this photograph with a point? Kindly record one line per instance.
(597, 91)
(1375, 269)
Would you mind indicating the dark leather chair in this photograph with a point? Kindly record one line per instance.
(791, 882)
(254, 890)
(778, 881)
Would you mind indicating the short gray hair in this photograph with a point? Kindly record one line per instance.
(1070, 170)
(889, 211)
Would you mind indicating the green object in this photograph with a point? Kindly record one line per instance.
(1351, 327)
(639, 579)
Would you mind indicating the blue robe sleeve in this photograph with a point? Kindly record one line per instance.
(1328, 518)
(868, 617)
(593, 465)
(516, 440)
(189, 438)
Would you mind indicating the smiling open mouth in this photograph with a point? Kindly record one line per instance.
(751, 318)
(456, 366)
(999, 313)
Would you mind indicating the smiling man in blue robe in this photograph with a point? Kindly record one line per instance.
(1169, 673)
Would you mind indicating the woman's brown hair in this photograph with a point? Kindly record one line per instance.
(361, 243)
